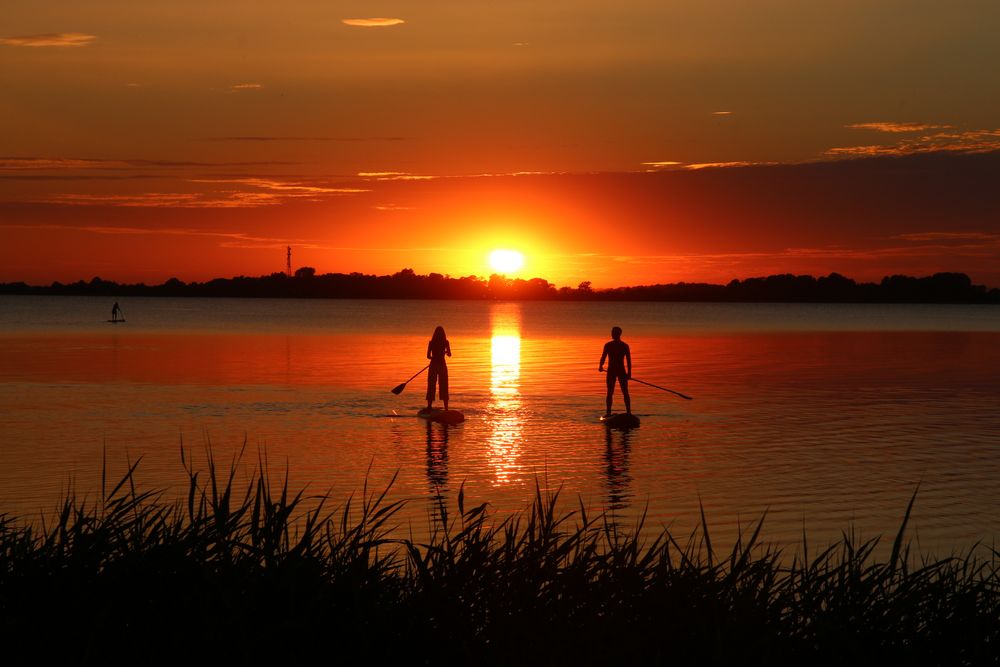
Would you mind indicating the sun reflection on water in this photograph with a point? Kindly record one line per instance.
(504, 408)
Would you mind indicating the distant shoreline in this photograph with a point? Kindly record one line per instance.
(941, 288)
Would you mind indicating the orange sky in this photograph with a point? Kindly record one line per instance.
(199, 139)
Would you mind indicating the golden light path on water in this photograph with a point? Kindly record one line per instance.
(504, 408)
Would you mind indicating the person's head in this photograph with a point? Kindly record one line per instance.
(438, 334)
(616, 332)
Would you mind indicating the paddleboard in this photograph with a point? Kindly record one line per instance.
(442, 416)
(116, 321)
(620, 420)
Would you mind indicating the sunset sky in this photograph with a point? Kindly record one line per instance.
(625, 142)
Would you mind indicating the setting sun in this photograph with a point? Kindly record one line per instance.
(506, 261)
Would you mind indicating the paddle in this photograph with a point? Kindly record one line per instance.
(650, 384)
(398, 389)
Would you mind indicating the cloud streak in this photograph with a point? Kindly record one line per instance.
(988, 246)
(663, 163)
(724, 165)
(393, 176)
(948, 236)
(672, 165)
(896, 127)
(9, 163)
(373, 22)
(282, 186)
(229, 239)
(263, 139)
(54, 39)
(243, 192)
(968, 141)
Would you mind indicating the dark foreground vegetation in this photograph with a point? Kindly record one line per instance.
(405, 284)
(229, 577)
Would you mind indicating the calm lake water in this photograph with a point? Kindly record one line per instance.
(827, 417)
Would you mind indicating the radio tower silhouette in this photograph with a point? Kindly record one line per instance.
(288, 262)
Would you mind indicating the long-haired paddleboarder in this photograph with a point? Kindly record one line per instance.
(437, 377)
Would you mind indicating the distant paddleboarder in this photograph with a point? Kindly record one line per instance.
(437, 349)
(619, 360)
(116, 313)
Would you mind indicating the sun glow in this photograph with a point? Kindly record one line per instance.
(506, 261)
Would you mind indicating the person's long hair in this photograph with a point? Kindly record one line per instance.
(438, 337)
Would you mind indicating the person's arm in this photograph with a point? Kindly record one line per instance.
(604, 355)
(428, 350)
(628, 361)
(447, 347)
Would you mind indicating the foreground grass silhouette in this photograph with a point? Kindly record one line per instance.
(254, 577)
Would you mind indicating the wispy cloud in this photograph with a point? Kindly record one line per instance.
(147, 199)
(229, 239)
(17, 163)
(722, 113)
(286, 138)
(695, 166)
(896, 127)
(68, 176)
(724, 165)
(975, 247)
(393, 176)
(394, 207)
(282, 186)
(948, 236)
(969, 141)
(250, 193)
(223, 199)
(239, 87)
(56, 39)
(662, 163)
(25, 163)
(373, 22)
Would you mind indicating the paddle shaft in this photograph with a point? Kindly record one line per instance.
(650, 384)
(400, 387)
(417, 373)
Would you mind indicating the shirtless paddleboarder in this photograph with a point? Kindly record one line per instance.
(619, 360)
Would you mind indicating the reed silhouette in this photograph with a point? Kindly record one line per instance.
(243, 570)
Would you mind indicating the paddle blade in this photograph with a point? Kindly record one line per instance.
(398, 389)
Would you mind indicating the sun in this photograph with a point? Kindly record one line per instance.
(506, 261)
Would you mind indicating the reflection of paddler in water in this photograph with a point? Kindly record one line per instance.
(437, 457)
(437, 349)
(616, 459)
(437, 473)
(619, 360)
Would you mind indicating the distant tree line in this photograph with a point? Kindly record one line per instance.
(405, 284)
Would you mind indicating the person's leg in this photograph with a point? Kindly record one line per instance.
(611, 391)
(443, 379)
(431, 383)
(623, 381)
